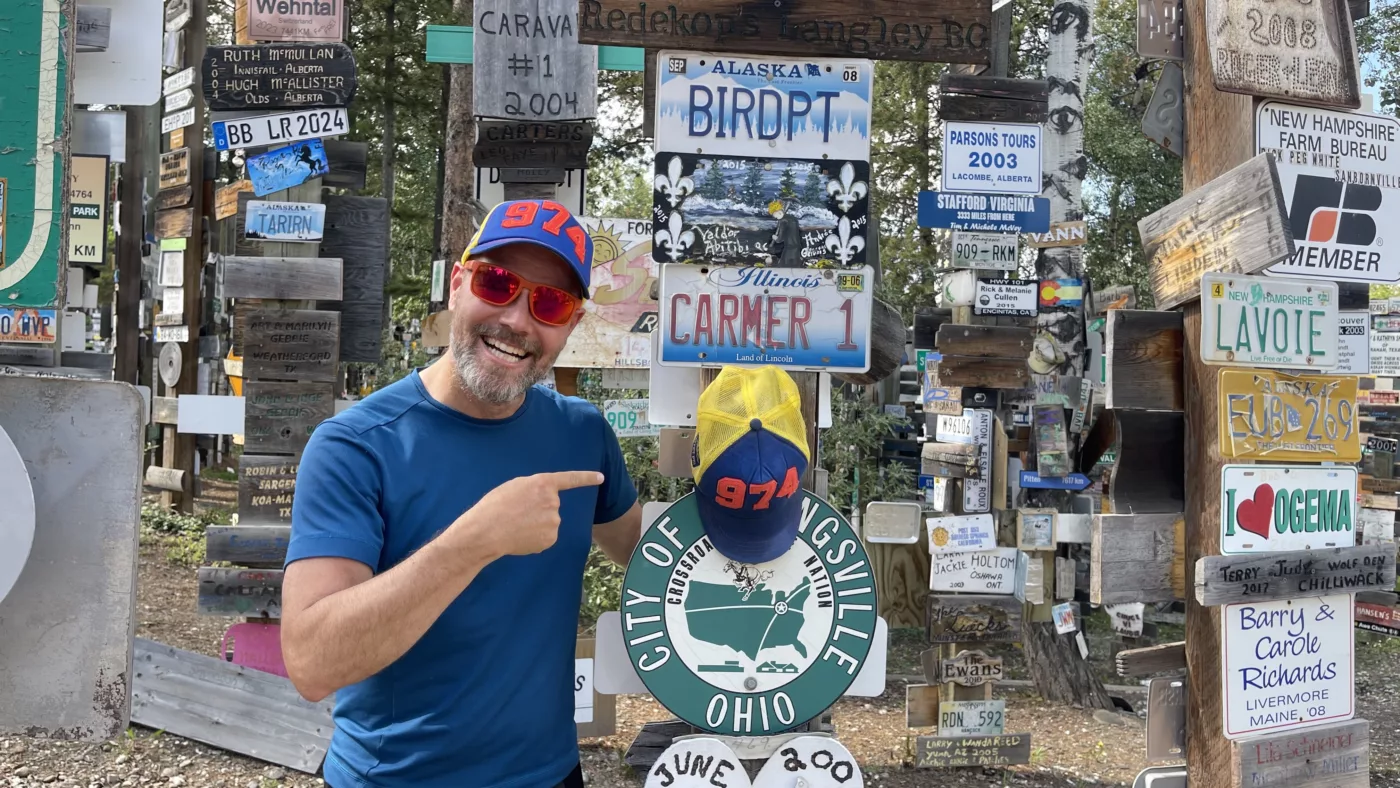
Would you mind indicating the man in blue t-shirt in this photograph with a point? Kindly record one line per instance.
(440, 530)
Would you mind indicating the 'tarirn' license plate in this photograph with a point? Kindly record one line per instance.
(1268, 322)
(1267, 415)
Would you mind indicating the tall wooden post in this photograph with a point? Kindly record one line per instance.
(133, 190)
(1219, 136)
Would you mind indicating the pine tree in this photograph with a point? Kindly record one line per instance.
(812, 189)
(787, 184)
(712, 187)
(751, 193)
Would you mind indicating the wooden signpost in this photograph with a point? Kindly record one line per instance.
(955, 31)
(1303, 51)
(970, 618)
(530, 66)
(1268, 577)
(297, 345)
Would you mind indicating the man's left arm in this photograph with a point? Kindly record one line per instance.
(618, 516)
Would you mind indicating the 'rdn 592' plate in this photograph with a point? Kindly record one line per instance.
(1268, 322)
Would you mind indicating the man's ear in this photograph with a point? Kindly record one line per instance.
(457, 280)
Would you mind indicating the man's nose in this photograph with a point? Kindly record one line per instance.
(516, 315)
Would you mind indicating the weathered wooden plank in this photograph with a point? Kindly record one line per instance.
(175, 168)
(1267, 577)
(1164, 658)
(996, 87)
(247, 544)
(175, 223)
(984, 341)
(1373, 485)
(940, 752)
(1143, 360)
(992, 110)
(348, 162)
(920, 705)
(927, 321)
(164, 410)
(562, 145)
(1337, 756)
(970, 669)
(1237, 223)
(291, 278)
(1150, 475)
(996, 373)
(171, 479)
(952, 31)
(176, 197)
(234, 708)
(289, 344)
(357, 231)
(266, 485)
(1317, 67)
(278, 418)
(973, 618)
(1131, 558)
(255, 593)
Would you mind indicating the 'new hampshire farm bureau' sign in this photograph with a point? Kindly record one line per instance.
(743, 649)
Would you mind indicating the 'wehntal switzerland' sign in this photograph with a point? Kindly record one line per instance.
(278, 76)
(1287, 664)
(744, 650)
(296, 20)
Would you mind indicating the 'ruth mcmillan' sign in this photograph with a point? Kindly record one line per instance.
(1287, 664)
(278, 76)
(951, 31)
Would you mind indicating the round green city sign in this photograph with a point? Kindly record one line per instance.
(748, 649)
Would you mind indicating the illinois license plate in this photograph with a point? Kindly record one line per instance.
(800, 318)
(1267, 415)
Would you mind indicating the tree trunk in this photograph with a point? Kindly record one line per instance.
(390, 104)
(1060, 674)
(459, 218)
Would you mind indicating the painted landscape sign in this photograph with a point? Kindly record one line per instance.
(620, 313)
(719, 194)
(278, 76)
(1287, 664)
(283, 168)
(1269, 508)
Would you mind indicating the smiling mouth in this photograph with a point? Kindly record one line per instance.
(503, 351)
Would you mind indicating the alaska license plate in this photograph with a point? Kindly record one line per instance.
(1267, 415)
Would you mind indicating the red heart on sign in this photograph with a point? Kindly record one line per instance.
(1256, 515)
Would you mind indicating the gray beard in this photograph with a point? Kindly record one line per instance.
(485, 383)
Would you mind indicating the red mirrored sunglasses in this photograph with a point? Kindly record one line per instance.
(499, 287)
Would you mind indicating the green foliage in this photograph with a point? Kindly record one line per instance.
(180, 536)
(850, 451)
(1378, 45)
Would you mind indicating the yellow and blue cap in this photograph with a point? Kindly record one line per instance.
(749, 456)
(542, 223)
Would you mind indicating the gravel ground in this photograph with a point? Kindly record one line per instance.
(1070, 747)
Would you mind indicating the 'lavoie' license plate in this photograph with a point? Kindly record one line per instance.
(281, 128)
(1268, 322)
(800, 318)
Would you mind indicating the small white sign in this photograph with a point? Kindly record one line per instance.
(1287, 664)
(1015, 297)
(1126, 619)
(583, 690)
(1271, 508)
(280, 129)
(1268, 322)
(1353, 343)
(994, 251)
(179, 120)
(977, 493)
(179, 99)
(994, 158)
(628, 418)
(179, 81)
(986, 572)
(962, 534)
(172, 334)
(1377, 526)
(971, 717)
(954, 429)
(1385, 354)
(1064, 618)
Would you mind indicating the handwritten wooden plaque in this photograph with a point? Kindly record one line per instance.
(291, 344)
(1293, 51)
(278, 418)
(973, 618)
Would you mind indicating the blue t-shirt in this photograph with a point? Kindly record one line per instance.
(485, 699)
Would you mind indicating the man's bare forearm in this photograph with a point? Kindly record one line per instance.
(353, 634)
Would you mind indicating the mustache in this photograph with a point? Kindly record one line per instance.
(502, 334)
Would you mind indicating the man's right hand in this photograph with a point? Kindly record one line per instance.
(521, 517)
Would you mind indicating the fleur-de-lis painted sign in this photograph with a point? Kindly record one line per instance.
(842, 244)
(672, 238)
(847, 190)
(674, 185)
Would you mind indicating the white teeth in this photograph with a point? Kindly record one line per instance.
(501, 348)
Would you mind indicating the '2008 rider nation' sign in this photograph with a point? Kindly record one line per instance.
(748, 649)
(1284, 50)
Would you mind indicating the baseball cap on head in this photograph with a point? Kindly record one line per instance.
(542, 223)
(749, 456)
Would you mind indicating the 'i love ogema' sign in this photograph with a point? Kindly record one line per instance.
(1269, 508)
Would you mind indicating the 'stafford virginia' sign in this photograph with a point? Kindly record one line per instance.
(997, 158)
(1267, 508)
(795, 318)
(1287, 664)
(1266, 322)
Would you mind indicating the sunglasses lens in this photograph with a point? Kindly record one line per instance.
(494, 285)
(552, 305)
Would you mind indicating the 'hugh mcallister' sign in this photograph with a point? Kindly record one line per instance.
(1288, 664)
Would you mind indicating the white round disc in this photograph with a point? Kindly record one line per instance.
(811, 762)
(16, 516)
(702, 762)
